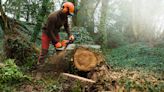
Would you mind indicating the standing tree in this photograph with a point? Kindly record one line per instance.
(74, 18)
(103, 20)
(43, 12)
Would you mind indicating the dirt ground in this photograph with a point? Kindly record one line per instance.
(107, 80)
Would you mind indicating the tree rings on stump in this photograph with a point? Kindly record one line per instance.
(84, 59)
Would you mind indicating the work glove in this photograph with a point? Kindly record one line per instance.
(71, 38)
(58, 45)
(64, 42)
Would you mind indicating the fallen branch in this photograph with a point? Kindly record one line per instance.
(75, 77)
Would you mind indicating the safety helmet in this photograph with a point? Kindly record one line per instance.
(68, 7)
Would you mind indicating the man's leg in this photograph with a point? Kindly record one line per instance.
(45, 45)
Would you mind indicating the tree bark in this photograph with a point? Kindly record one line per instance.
(102, 26)
(78, 59)
(40, 18)
(4, 22)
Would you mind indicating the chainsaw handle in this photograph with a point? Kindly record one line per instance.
(69, 42)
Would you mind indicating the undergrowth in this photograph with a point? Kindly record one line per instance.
(11, 75)
(138, 86)
(137, 56)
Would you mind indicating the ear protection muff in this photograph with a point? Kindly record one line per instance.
(65, 9)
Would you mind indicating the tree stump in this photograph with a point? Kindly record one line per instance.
(85, 65)
(77, 59)
(85, 60)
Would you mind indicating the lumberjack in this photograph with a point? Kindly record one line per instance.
(50, 31)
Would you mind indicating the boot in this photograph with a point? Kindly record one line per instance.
(42, 56)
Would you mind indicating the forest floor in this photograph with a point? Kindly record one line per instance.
(134, 68)
(124, 80)
(137, 70)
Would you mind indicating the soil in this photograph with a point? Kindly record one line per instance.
(106, 79)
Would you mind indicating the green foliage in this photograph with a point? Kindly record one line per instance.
(53, 87)
(22, 8)
(137, 56)
(10, 73)
(82, 36)
(42, 15)
(116, 39)
(11, 76)
(60, 86)
(77, 87)
(141, 87)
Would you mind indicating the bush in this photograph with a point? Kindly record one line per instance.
(10, 73)
(82, 36)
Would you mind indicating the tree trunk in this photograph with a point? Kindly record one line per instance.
(74, 18)
(4, 22)
(85, 60)
(40, 18)
(90, 75)
(78, 59)
(102, 26)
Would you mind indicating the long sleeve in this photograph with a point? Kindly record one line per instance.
(66, 27)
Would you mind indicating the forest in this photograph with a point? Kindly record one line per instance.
(113, 46)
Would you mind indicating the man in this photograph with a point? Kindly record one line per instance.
(51, 29)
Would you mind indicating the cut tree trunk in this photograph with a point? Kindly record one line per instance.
(85, 60)
(87, 70)
(79, 59)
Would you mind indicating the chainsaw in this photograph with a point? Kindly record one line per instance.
(68, 44)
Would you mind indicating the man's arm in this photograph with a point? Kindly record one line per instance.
(67, 29)
(53, 37)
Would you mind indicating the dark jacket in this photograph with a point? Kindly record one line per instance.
(54, 22)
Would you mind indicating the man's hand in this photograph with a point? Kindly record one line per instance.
(58, 45)
(64, 42)
(71, 38)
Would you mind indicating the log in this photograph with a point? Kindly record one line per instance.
(80, 58)
(84, 60)
(86, 66)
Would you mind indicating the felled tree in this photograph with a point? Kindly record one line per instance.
(16, 45)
